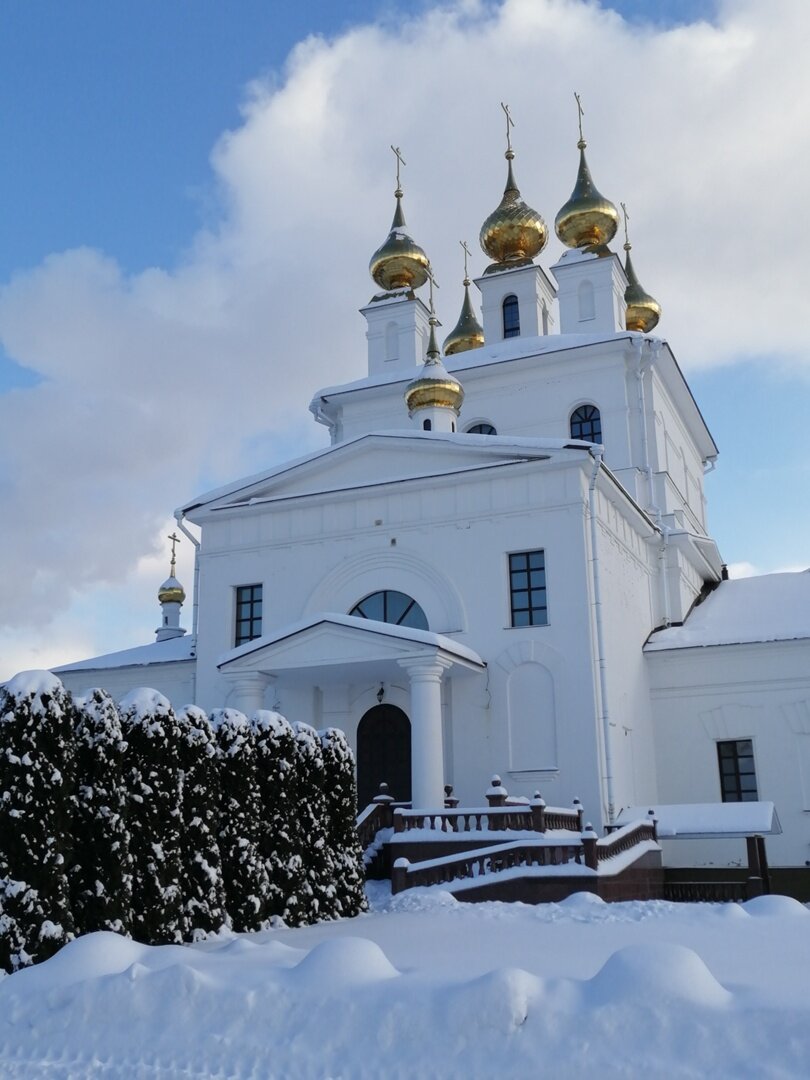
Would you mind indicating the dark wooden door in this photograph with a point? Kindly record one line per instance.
(383, 754)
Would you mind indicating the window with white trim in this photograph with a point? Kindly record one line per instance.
(527, 588)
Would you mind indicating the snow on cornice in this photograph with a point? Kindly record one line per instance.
(527, 446)
(500, 352)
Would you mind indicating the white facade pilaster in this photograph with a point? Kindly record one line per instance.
(427, 748)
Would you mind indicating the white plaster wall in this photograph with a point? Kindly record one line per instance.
(627, 565)
(445, 543)
(759, 692)
(174, 680)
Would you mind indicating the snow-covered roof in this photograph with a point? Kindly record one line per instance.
(772, 607)
(690, 821)
(497, 353)
(526, 445)
(365, 626)
(158, 652)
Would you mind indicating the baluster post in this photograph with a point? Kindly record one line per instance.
(538, 805)
(384, 799)
(589, 847)
(399, 875)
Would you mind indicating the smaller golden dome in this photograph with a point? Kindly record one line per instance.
(468, 332)
(588, 219)
(514, 233)
(400, 263)
(643, 312)
(171, 591)
(435, 386)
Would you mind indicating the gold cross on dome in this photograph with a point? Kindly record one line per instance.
(466, 253)
(580, 114)
(400, 161)
(510, 123)
(626, 219)
(175, 539)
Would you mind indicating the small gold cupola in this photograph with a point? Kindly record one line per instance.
(514, 233)
(171, 595)
(643, 311)
(171, 591)
(400, 263)
(435, 395)
(468, 332)
(588, 219)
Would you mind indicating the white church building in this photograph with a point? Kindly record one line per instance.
(501, 562)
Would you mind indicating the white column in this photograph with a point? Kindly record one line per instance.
(427, 752)
(248, 690)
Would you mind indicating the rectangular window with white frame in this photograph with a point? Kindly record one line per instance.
(527, 588)
(248, 613)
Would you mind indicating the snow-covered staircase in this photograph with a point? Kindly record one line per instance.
(508, 850)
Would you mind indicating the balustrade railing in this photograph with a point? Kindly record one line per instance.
(476, 864)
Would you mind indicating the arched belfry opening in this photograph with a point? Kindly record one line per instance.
(383, 754)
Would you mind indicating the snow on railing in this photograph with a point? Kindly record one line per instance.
(483, 861)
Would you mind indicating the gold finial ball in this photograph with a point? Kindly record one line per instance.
(588, 219)
(171, 592)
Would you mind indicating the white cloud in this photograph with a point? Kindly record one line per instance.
(174, 379)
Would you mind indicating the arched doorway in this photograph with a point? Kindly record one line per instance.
(383, 754)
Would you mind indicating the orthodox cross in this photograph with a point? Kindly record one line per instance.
(175, 539)
(466, 253)
(510, 123)
(400, 161)
(626, 219)
(580, 114)
(433, 283)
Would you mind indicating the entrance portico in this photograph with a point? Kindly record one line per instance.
(328, 649)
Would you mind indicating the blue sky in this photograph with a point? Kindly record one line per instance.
(113, 119)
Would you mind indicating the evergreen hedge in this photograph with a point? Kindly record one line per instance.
(165, 826)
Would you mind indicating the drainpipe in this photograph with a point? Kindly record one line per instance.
(653, 348)
(596, 453)
(178, 517)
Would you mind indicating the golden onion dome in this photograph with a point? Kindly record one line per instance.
(468, 332)
(400, 263)
(643, 311)
(171, 591)
(434, 386)
(588, 219)
(514, 233)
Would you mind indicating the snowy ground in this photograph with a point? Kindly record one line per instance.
(427, 987)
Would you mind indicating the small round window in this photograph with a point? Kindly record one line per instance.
(481, 429)
(391, 607)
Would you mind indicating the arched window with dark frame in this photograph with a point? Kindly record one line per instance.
(391, 607)
(511, 316)
(481, 429)
(586, 424)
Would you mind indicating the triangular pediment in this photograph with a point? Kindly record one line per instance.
(372, 460)
(337, 643)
